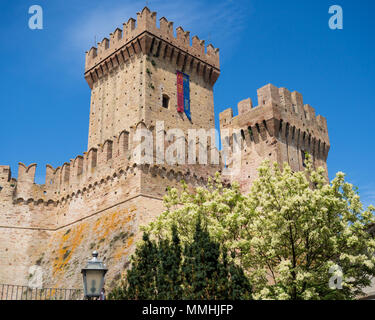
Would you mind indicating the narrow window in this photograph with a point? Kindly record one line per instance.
(165, 101)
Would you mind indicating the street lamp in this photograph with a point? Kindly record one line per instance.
(93, 277)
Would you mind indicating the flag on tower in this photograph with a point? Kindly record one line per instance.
(183, 94)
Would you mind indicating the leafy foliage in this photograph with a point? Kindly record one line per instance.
(287, 233)
(163, 270)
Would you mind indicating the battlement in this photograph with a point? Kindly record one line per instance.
(142, 35)
(72, 174)
(110, 159)
(280, 114)
(5, 174)
(279, 104)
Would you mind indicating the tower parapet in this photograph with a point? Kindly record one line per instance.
(134, 74)
(142, 35)
(281, 128)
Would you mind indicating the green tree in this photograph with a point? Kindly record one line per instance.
(298, 228)
(140, 283)
(200, 271)
(206, 272)
(168, 271)
(288, 234)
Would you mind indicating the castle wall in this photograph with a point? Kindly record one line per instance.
(117, 100)
(281, 128)
(17, 248)
(98, 200)
(23, 229)
(62, 252)
(112, 232)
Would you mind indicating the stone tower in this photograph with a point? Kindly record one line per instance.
(281, 128)
(133, 78)
(99, 199)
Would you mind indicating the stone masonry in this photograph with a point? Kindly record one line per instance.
(99, 199)
(281, 128)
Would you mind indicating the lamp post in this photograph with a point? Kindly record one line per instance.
(93, 277)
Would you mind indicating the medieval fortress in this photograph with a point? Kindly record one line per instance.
(99, 199)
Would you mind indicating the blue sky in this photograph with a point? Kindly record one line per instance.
(45, 99)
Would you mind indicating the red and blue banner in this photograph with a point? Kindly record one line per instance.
(183, 94)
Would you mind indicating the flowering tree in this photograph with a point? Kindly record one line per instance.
(296, 236)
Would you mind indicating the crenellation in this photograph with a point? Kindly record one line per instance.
(213, 53)
(102, 48)
(146, 20)
(137, 37)
(322, 121)
(183, 37)
(286, 99)
(166, 28)
(71, 175)
(92, 160)
(310, 112)
(90, 57)
(25, 186)
(128, 29)
(50, 177)
(78, 165)
(5, 174)
(7, 184)
(297, 101)
(123, 142)
(65, 173)
(115, 39)
(272, 106)
(105, 152)
(281, 128)
(198, 46)
(244, 106)
(76, 171)
(268, 94)
(26, 173)
(226, 117)
(133, 77)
